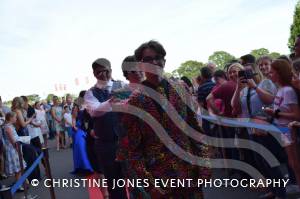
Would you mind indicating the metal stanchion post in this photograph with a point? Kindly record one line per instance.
(22, 169)
(48, 172)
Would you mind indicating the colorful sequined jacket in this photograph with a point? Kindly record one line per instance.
(158, 153)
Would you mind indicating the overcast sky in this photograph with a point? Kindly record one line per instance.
(43, 43)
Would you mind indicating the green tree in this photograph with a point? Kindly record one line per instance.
(189, 69)
(260, 52)
(274, 55)
(257, 53)
(49, 97)
(167, 74)
(220, 58)
(295, 27)
(33, 98)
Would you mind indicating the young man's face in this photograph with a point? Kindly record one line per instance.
(101, 73)
(55, 101)
(152, 63)
(135, 76)
(69, 100)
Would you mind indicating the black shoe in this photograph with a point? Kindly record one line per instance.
(268, 195)
(21, 189)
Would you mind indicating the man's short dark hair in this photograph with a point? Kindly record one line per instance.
(24, 98)
(125, 64)
(220, 74)
(154, 45)
(82, 93)
(187, 81)
(248, 59)
(206, 72)
(101, 62)
(286, 58)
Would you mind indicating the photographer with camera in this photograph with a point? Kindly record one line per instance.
(252, 94)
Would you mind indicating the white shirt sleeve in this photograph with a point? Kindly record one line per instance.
(94, 107)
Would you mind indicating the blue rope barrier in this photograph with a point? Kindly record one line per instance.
(243, 122)
(22, 179)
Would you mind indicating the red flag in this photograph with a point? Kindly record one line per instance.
(60, 87)
(76, 81)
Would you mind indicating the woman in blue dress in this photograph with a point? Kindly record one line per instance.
(80, 158)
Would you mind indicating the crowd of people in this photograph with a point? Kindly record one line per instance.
(128, 131)
(25, 129)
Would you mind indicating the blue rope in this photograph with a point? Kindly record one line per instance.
(22, 179)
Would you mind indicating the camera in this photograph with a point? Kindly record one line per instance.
(246, 74)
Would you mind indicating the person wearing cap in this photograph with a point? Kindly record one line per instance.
(98, 101)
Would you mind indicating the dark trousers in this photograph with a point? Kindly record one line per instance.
(271, 172)
(92, 154)
(37, 144)
(112, 170)
(206, 127)
(30, 155)
(231, 153)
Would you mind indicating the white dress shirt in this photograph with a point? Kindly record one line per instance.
(91, 103)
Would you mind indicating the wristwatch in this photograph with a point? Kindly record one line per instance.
(276, 113)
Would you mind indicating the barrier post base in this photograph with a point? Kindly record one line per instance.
(5, 193)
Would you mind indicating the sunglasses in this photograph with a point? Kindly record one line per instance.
(101, 71)
(150, 60)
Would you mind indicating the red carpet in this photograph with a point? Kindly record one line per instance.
(95, 192)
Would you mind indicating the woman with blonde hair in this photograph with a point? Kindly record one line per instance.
(57, 114)
(22, 121)
(252, 92)
(264, 65)
(29, 151)
(225, 93)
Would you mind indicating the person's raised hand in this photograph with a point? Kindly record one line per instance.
(251, 83)
(294, 124)
(269, 111)
(240, 82)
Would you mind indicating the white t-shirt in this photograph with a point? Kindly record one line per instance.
(68, 119)
(285, 97)
(35, 131)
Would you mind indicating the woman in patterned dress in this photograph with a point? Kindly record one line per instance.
(10, 138)
(57, 114)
